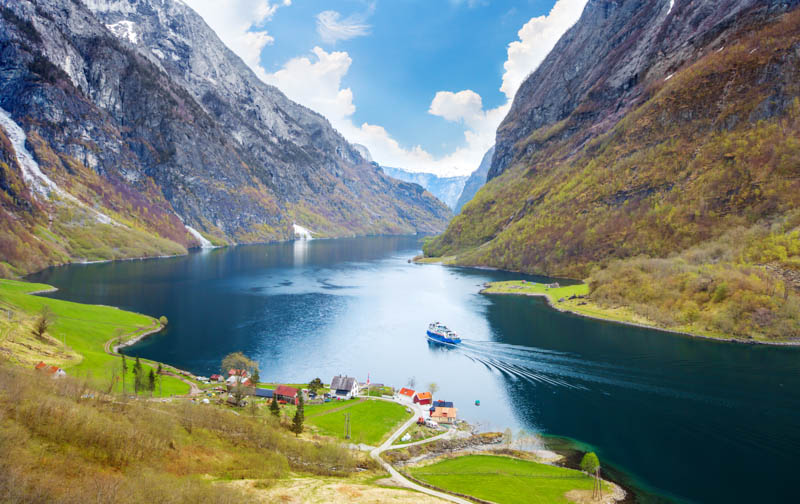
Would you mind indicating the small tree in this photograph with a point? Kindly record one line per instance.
(238, 392)
(590, 463)
(314, 385)
(274, 407)
(297, 421)
(255, 378)
(138, 376)
(163, 321)
(151, 382)
(43, 323)
(433, 388)
(124, 372)
(238, 360)
(159, 372)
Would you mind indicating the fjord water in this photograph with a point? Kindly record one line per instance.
(685, 419)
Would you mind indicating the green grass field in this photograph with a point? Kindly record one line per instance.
(504, 480)
(370, 420)
(525, 287)
(86, 329)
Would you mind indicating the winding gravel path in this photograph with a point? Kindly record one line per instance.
(396, 476)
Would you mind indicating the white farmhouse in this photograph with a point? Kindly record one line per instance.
(344, 387)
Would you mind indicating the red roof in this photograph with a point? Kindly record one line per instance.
(407, 392)
(53, 369)
(41, 365)
(237, 372)
(215, 377)
(423, 395)
(247, 382)
(285, 390)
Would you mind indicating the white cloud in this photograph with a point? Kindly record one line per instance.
(316, 80)
(317, 84)
(240, 25)
(536, 39)
(332, 27)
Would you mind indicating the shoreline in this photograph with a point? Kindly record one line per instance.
(136, 339)
(550, 303)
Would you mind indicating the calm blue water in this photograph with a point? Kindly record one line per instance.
(684, 419)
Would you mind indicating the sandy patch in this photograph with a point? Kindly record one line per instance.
(334, 491)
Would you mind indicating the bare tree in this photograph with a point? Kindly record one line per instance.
(43, 323)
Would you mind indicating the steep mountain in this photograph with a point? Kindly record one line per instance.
(655, 128)
(447, 189)
(475, 181)
(129, 129)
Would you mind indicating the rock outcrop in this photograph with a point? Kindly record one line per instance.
(475, 181)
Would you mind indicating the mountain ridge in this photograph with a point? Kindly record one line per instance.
(160, 147)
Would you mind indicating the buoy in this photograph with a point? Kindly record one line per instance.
(477, 402)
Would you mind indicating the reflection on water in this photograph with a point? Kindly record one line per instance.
(682, 417)
(300, 249)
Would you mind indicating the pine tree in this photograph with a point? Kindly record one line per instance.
(255, 378)
(158, 377)
(299, 416)
(138, 378)
(151, 382)
(274, 408)
(124, 372)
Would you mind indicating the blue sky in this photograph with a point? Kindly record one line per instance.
(416, 81)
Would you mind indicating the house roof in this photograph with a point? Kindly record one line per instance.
(343, 383)
(407, 392)
(237, 372)
(262, 392)
(285, 390)
(215, 377)
(41, 365)
(444, 412)
(53, 369)
(424, 395)
(442, 404)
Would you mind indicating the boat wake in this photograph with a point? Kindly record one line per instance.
(562, 370)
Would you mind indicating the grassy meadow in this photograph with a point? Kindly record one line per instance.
(77, 336)
(371, 421)
(505, 480)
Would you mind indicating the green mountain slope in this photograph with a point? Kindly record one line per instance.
(709, 149)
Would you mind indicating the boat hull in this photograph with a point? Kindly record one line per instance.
(441, 339)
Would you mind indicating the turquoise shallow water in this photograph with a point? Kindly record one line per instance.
(682, 419)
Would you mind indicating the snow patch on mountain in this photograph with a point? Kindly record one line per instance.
(124, 30)
(32, 174)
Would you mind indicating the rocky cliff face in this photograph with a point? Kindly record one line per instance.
(475, 181)
(135, 110)
(652, 127)
(603, 67)
(446, 189)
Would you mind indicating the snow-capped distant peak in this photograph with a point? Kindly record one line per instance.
(124, 30)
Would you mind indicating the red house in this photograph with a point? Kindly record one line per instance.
(406, 394)
(287, 394)
(423, 398)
